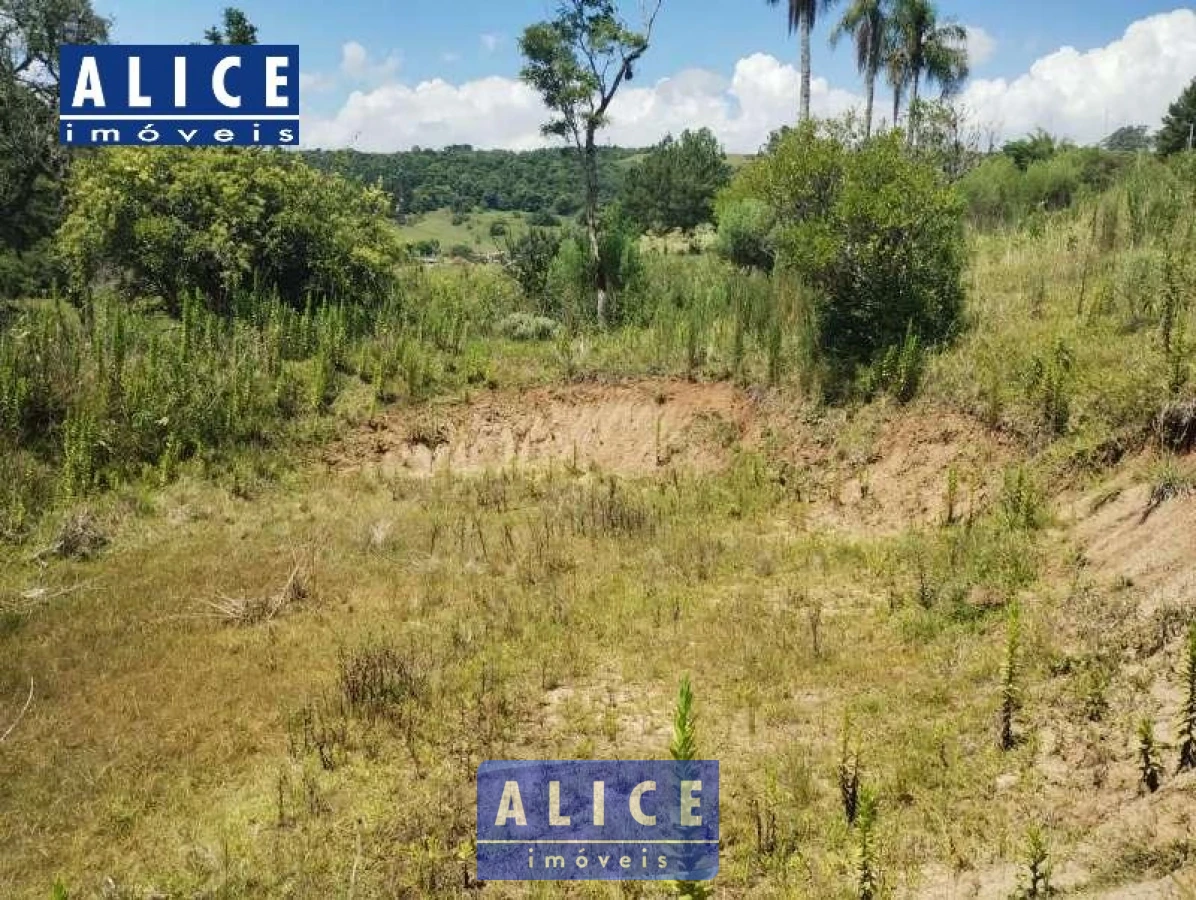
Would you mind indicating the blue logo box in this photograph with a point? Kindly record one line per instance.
(179, 95)
(597, 820)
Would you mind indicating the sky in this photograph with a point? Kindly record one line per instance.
(391, 74)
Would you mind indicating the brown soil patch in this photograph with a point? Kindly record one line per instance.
(1128, 543)
(634, 428)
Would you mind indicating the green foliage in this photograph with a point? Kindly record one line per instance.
(521, 326)
(1037, 147)
(877, 235)
(684, 746)
(1175, 135)
(529, 259)
(745, 232)
(542, 182)
(1011, 692)
(216, 222)
(1129, 139)
(1149, 768)
(1036, 881)
(1187, 717)
(32, 162)
(236, 30)
(675, 185)
(866, 869)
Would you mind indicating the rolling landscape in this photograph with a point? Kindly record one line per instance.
(858, 459)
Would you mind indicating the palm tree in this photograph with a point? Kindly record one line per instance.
(866, 21)
(928, 50)
(802, 16)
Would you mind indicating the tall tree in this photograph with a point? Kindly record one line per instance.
(32, 162)
(928, 50)
(803, 14)
(577, 62)
(675, 185)
(866, 22)
(237, 29)
(1179, 125)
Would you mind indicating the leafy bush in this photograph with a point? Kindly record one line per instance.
(876, 235)
(745, 233)
(181, 220)
(529, 258)
(521, 326)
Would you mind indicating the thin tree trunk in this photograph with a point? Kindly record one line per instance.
(896, 105)
(804, 112)
(591, 167)
(870, 99)
(911, 137)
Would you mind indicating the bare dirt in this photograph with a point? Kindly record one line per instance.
(631, 429)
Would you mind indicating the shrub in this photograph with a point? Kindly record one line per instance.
(182, 220)
(745, 233)
(520, 326)
(529, 258)
(876, 234)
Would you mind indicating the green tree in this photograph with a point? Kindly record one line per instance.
(237, 29)
(675, 185)
(1179, 124)
(866, 23)
(803, 15)
(577, 62)
(1129, 139)
(1037, 147)
(875, 234)
(185, 220)
(32, 163)
(924, 49)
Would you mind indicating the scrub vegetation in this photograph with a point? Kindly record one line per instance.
(886, 462)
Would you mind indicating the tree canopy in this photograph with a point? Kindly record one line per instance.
(1176, 133)
(675, 185)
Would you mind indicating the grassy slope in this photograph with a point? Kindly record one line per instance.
(553, 617)
(474, 232)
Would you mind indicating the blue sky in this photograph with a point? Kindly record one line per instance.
(405, 42)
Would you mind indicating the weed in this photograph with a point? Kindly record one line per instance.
(1010, 679)
(1187, 716)
(1149, 768)
(1037, 877)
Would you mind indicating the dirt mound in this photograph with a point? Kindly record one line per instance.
(623, 428)
(1129, 542)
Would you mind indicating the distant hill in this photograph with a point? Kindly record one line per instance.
(461, 178)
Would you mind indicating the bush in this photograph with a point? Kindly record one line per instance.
(875, 234)
(520, 326)
(543, 219)
(220, 222)
(745, 233)
(529, 258)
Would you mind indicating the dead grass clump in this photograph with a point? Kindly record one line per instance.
(1176, 426)
(254, 610)
(79, 537)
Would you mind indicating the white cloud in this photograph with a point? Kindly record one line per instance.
(1086, 95)
(760, 96)
(1132, 80)
(357, 64)
(491, 41)
(981, 46)
(450, 57)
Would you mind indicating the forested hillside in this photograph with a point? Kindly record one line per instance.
(462, 178)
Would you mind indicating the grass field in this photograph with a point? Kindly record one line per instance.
(273, 673)
(473, 231)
